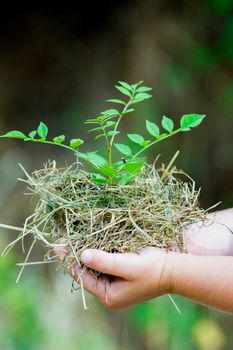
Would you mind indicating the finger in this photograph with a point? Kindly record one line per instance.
(61, 252)
(123, 265)
(114, 295)
(96, 287)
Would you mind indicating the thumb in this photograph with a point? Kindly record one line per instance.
(117, 264)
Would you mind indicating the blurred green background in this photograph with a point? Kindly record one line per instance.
(59, 65)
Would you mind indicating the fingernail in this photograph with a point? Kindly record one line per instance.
(86, 256)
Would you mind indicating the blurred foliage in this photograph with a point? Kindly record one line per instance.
(208, 335)
(59, 66)
(21, 325)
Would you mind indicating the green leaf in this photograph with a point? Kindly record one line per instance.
(59, 139)
(144, 89)
(167, 124)
(42, 130)
(32, 134)
(92, 121)
(123, 90)
(124, 149)
(191, 121)
(101, 118)
(15, 134)
(142, 96)
(145, 143)
(128, 111)
(96, 129)
(152, 128)
(125, 85)
(110, 123)
(136, 101)
(108, 171)
(99, 136)
(111, 111)
(135, 86)
(133, 167)
(107, 125)
(119, 164)
(99, 179)
(136, 138)
(74, 143)
(109, 117)
(114, 100)
(161, 136)
(95, 159)
(113, 133)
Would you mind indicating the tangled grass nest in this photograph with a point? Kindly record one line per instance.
(73, 211)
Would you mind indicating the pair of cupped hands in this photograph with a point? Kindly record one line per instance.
(154, 272)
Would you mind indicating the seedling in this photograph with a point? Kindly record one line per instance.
(106, 126)
(123, 204)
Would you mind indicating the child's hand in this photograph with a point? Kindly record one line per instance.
(137, 277)
(214, 237)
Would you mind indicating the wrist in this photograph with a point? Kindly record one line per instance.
(168, 273)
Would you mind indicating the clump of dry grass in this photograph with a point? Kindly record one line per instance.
(73, 211)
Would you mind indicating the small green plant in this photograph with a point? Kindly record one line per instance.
(106, 125)
(74, 211)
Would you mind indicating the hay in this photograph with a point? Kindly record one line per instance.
(73, 211)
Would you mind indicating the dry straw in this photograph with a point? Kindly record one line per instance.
(72, 211)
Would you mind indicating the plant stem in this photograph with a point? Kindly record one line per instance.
(109, 155)
(154, 142)
(76, 152)
(170, 165)
(121, 115)
(108, 146)
(56, 144)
